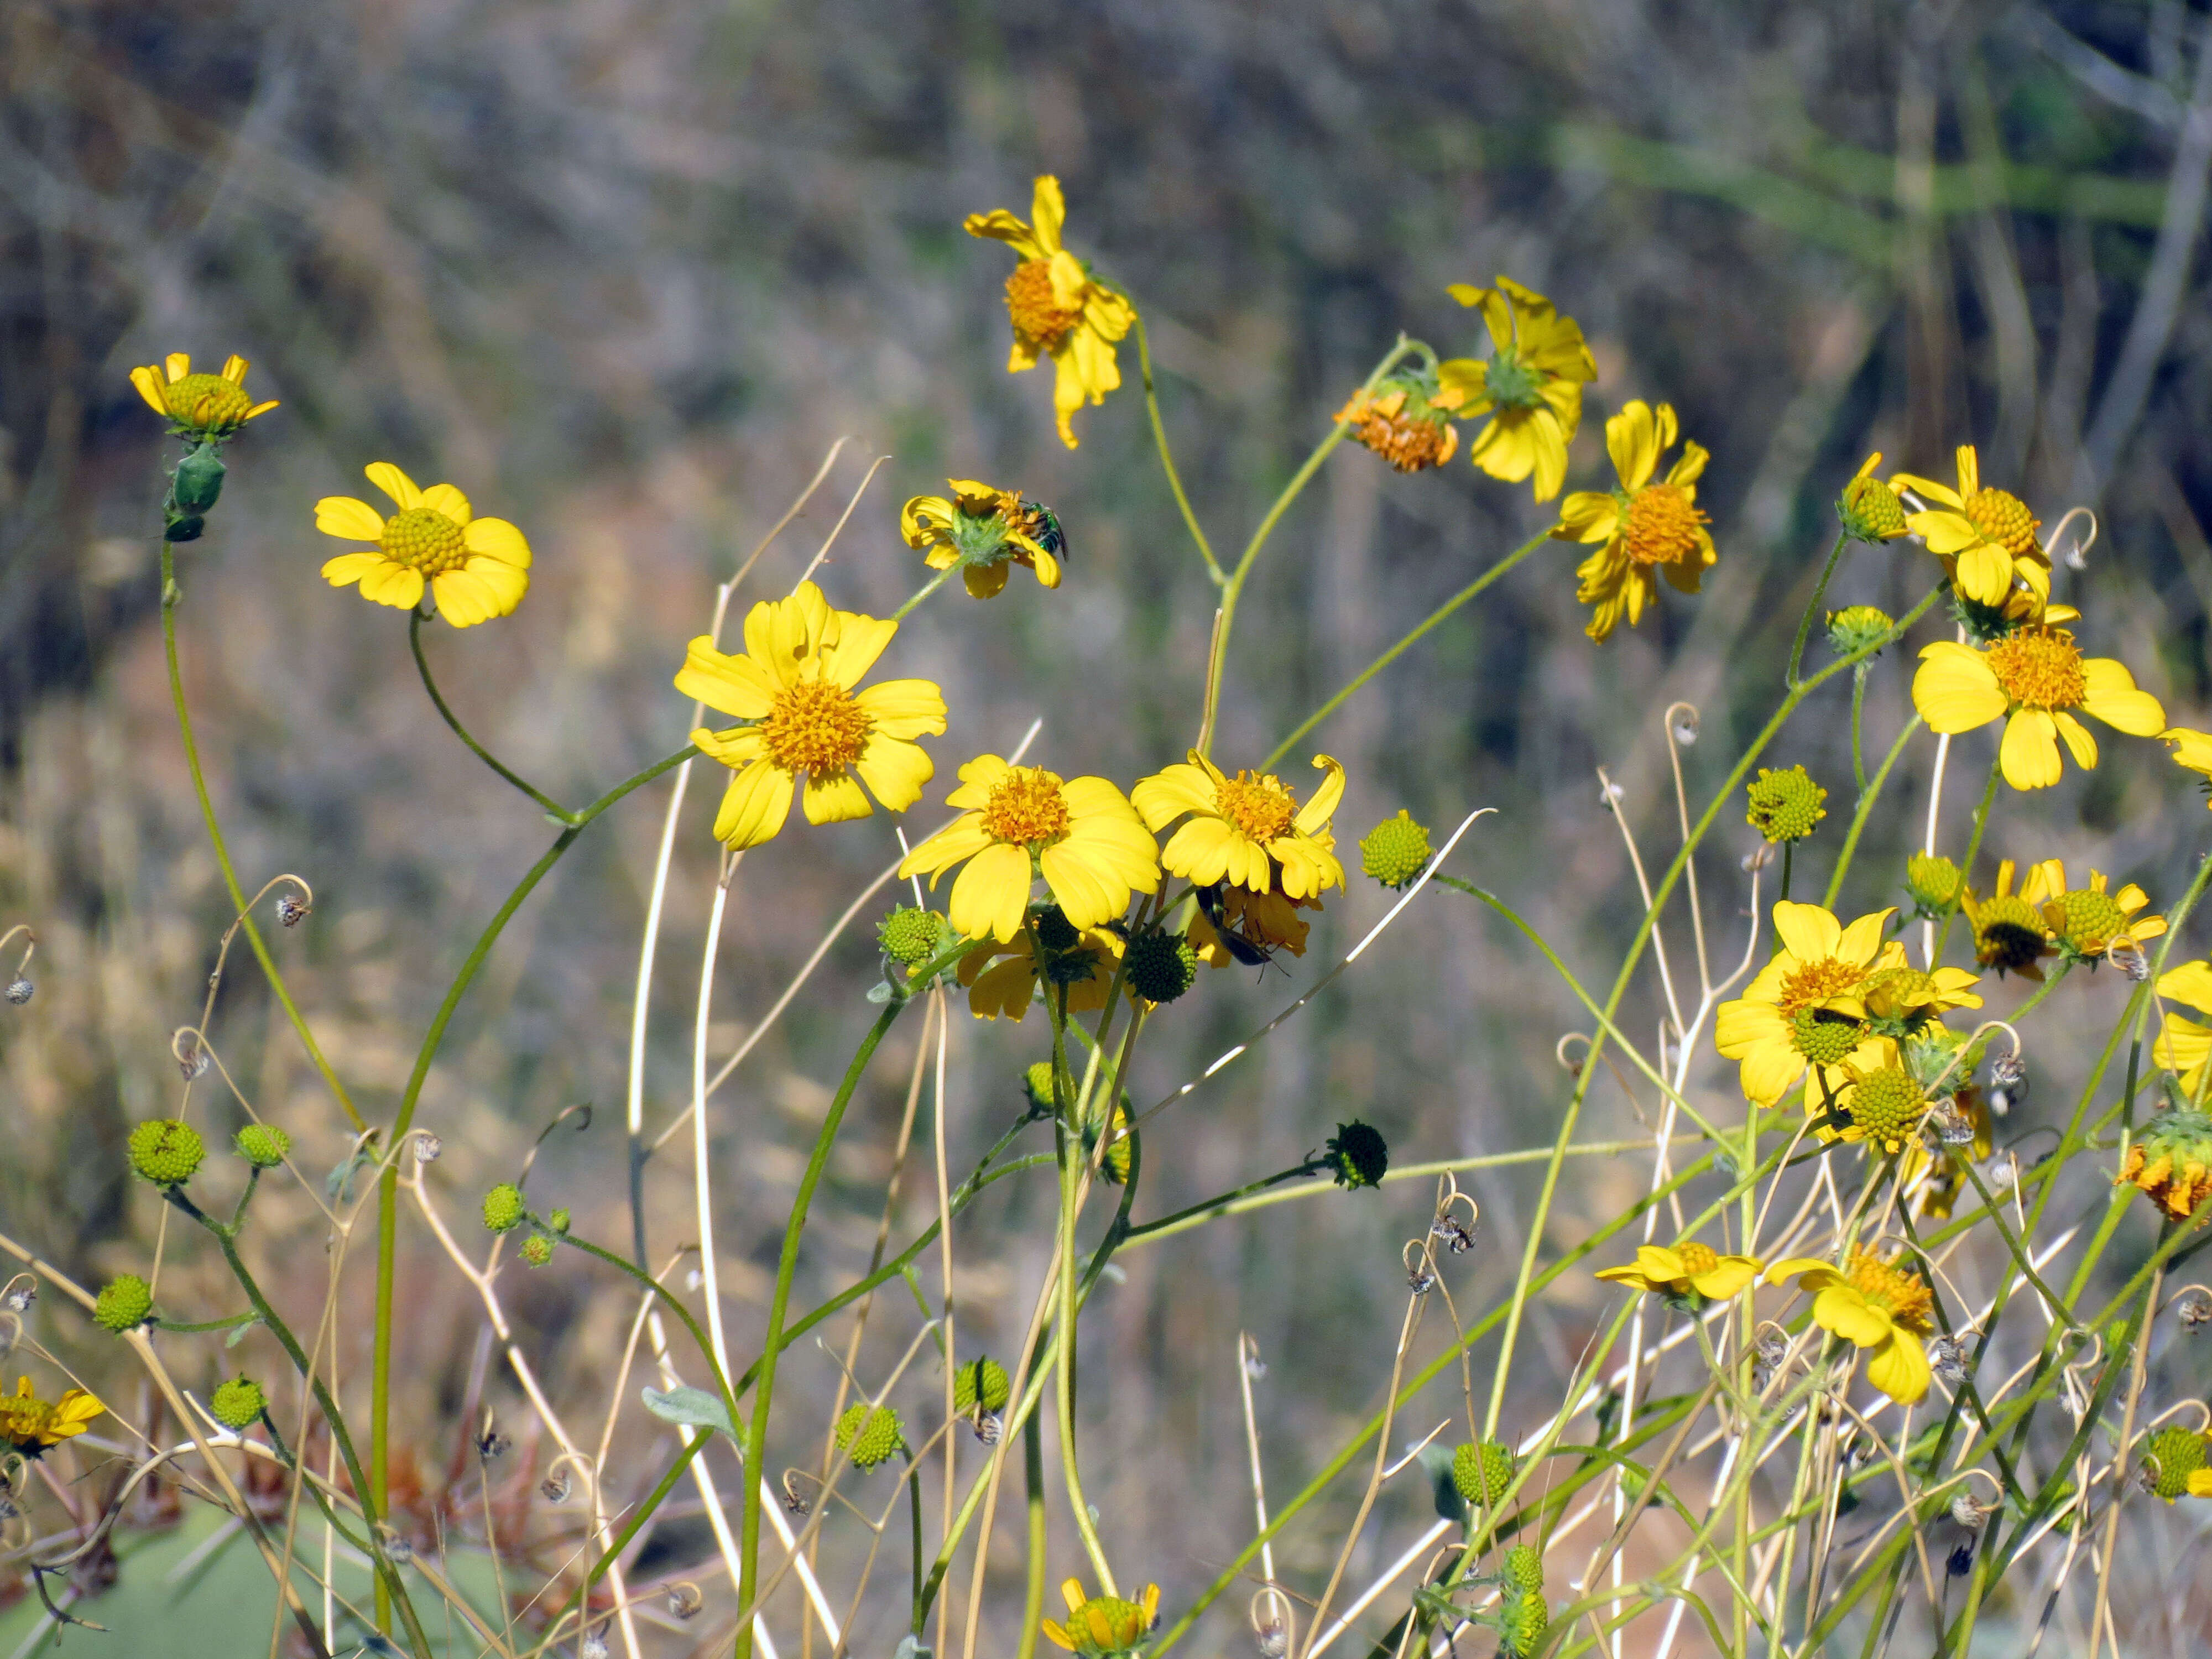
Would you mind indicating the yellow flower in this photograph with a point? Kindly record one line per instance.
(1531, 386)
(1400, 421)
(1081, 834)
(1645, 527)
(2192, 752)
(1687, 1266)
(1875, 1306)
(2086, 922)
(1869, 510)
(1234, 924)
(1082, 962)
(1103, 1626)
(2030, 679)
(2010, 933)
(29, 1424)
(1985, 537)
(1883, 1101)
(1058, 309)
(206, 405)
(2183, 1044)
(2172, 1161)
(477, 568)
(1806, 1007)
(984, 531)
(1247, 830)
(794, 686)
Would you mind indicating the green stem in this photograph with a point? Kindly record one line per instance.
(1219, 1203)
(913, 1512)
(1033, 1583)
(1973, 848)
(230, 1324)
(1812, 607)
(1167, 461)
(1868, 796)
(553, 809)
(171, 597)
(772, 1349)
(1858, 709)
(924, 592)
(1398, 650)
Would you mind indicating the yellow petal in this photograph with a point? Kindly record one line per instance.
(2029, 754)
(445, 499)
(395, 483)
(991, 893)
(1048, 211)
(2112, 696)
(349, 568)
(837, 799)
(1899, 1369)
(1807, 931)
(390, 583)
(495, 539)
(1953, 689)
(2080, 745)
(737, 686)
(894, 771)
(754, 806)
(1841, 1309)
(343, 516)
(1316, 813)
(149, 383)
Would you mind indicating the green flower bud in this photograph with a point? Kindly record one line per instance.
(870, 1437)
(198, 480)
(186, 529)
(166, 1151)
(1357, 1156)
(1524, 1567)
(537, 1249)
(1855, 628)
(1036, 1083)
(558, 1221)
(1161, 966)
(1482, 1471)
(1394, 851)
(262, 1145)
(2167, 1457)
(983, 1380)
(1783, 806)
(1869, 509)
(1933, 882)
(124, 1304)
(1527, 1617)
(912, 935)
(502, 1207)
(239, 1403)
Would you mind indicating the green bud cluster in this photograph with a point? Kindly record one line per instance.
(1783, 806)
(262, 1144)
(166, 1151)
(911, 935)
(502, 1207)
(1855, 628)
(1482, 1470)
(1161, 965)
(869, 1436)
(126, 1303)
(982, 1380)
(239, 1403)
(1394, 851)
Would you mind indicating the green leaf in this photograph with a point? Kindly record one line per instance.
(693, 1408)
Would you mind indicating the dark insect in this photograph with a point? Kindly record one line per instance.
(1252, 952)
(1045, 529)
(490, 1443)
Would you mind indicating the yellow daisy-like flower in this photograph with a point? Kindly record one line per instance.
(1246, 927)
(1648, 529)
(1247, 830)
(2087, 922)
(1907, 997)
(1873, 1305)
(1806, 1007)
(29, 1424)
(1531, 386)
(985, 530)
(1002, 978)
(2192, 752)
(795, 687)
(2030, 680)
(2010, 933)
(2183, 1045)
(476, 569)
(1985, 537)
(1103, 1626)
(1688, 1265)
(1058, 308)
(204, 405)
(1080, 835)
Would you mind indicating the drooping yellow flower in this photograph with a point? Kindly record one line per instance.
(2030, 679)
(1807, 1006)
(985, 530)
(1002, 978)
(202, 405)
(1247, 830)
(1103, 1626)
(1080, 835)
(1058, 308)
(2184, 1045)
(1687, 1266)
(1648, 529)
(2087, 923)
(2010, 933)
(1531, 385)
(1985, 537)
(29, 1424)
(1876, 1306)
(1237, 925)
(2170, 1161)
(794, 687)
(1401, 420)
(476, 569)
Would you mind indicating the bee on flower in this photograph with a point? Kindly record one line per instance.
(2032, 679)
(984, 532)
(475, 568)
(2011, 933)
(1646, 529)
(200, 405)
(1530, 386)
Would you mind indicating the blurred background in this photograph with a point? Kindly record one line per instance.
(624, 271)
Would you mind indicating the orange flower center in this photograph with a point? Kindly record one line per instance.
(1900, 1295)
(207, 401)
(2039, 668)
(1036, 311)
(1256, 804)
(1696, 1258)
(815, 727)
(1815, 982)
(2004, 519)
(1663, 524)
(1027, 809)
(423, 539)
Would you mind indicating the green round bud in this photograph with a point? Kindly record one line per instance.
(1886, 1105)
(1527, 1617)
(1783, 806)
(912, 935)
(126, 1303)
(1036, 1083)
(1524, 1567)
(870, 1438)
(558, 1221)
(1869, 510)
(1482, 1471)
(262, 1145)
(1933, 882)
(537, 1249)
(239, 1403)
(2167, 1457)
(1855, 628)
(1358, 1155)
(982, 1380)
(198, 480)
(1161, 966)
(502, 1207)
(166, 1151)
(1394, 851)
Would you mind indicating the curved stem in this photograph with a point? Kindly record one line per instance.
(553, 808)
(1167, 457)
(1812, 606)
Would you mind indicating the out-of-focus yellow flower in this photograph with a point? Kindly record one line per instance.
(202, 405)
(794, 686)
(29, 1424)
(1080, 835)
(1876, 1306)
(1647, 529)
(2088, 922)
(1687, 1266)
(985, 530)
(2010, 933)
(1058, 308)
(1531, 385)
(2192, 752)
(1247, 830)
(1002, 978)
(2172, 1161)
(1806, 1007)
(1985, 537)
(1103, 1626)
(2030, 679)
(2183, 1044)
(476, 569)
(1401, 420)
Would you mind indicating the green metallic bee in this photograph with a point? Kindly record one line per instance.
(1044, 528)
